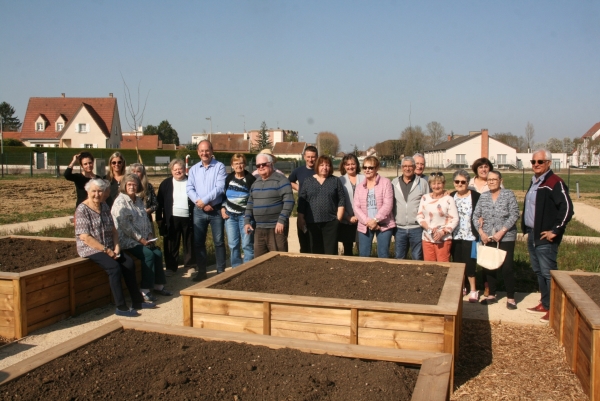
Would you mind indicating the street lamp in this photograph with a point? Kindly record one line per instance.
(317, 142)
(241, 115)
(210, 118)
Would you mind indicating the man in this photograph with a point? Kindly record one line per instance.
(546, 212)
(297, 178)
(420, 166)
(205, 187)
(270, 204)
(409, 188)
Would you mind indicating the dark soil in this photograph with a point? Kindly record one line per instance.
(339, 278)
(19, 255)
(591, 286)
(138, 365)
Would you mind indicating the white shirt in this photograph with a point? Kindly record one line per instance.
(180, 198)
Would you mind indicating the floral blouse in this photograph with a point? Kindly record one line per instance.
(97, 225)
(131, 220)
(463, 230)
(438, 213)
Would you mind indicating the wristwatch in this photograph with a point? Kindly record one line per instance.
(105, 248)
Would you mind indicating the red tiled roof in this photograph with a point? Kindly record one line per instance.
(11, 135)
(289, 148)
(169, 146)
(592, 131)
(143, 142)
(51, 108)
(229, 142)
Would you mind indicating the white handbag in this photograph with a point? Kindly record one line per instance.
(489, 257)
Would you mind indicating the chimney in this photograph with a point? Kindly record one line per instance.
(110, 94)
(62, 95)
(449, 137)
(485, 143)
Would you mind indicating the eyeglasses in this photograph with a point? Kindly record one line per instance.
(115, 162)
(492, 180)
(261, 165)
(538, 162)
(438, 174)
(462, 182)
(408, 166)
(368, 168)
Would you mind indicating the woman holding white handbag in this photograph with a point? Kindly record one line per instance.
(496, 214)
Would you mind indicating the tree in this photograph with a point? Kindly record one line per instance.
(133, 115)
(263, 141)
(166, 133)
(507, 138)
(391, 149)
(436, 133)
(328, 143)
(529, 134)
(415, 140)
(290, 136)
(12, 142)
(568, 146)
(554, 145)
(9, 123)
(355, 151)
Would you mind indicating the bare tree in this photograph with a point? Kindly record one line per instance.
(529, 134)
(554, 145)
(328, 143)
(568, 146)
(436, 133)
(415, 140)
(390, 149)
(133, 115)
(507, 138)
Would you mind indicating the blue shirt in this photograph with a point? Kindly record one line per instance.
(207, 183)
(530, 199)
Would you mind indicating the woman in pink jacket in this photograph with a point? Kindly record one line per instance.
(373, 204)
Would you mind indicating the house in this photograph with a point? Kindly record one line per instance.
(228, 143)
(149, 142)
(289, 150)
(559, 160)
(587, 151)
(464, 150)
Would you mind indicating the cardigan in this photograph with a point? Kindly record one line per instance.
(164, 210)
(496, 215)
(349, 208)
(384, 196)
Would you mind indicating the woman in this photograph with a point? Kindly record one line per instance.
(438, 216)
(174, 218)
(465, 235)
(481, 167)
(86, 161)
(373, 207)
(350, 169)
(146, 192)
(116, 172)
(98, 240)
(237, 192)
(134, 232)
(321, 207)
(498, 211)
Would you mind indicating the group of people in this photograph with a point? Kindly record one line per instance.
(434, 222)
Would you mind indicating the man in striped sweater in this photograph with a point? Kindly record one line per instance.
(271, 202)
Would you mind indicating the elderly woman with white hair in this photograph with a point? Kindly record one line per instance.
(98, 240)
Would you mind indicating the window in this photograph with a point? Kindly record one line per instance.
(60, 126)
(501, 159)
(88, 145)
(39, 126)
(82, 127)
(39, 146)
(461, 159)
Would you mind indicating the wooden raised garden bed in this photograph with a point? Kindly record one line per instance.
(433, 382)
(42, 296)
(575, 319)
(432, 328)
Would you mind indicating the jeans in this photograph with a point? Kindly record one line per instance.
(409, 237)
(152, 266)
(383, 243)
(543, 259)
(202, 220)
(238, 240)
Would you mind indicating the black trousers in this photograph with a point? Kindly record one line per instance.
(323, 237)
(179, 227)
(507, 270)
(304, 240)
(125, 267)
(461, 253)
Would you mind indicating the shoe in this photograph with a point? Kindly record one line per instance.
(144, 305)
(474, 297)
(168, 273)
(148, 297)
(545, 318)
(163, 292)
(538, 309)
(127, 313)
(464, 291)
(199, 277)
(489, 301)
(511, 306)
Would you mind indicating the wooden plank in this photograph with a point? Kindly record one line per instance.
(567, 333)
(266, 318)
(6, 287)
(589, 310)
(7, 303)
(434, 379)
(401, 321)
(38, 282)
(585, 339)
(91, 281)
(401, 339)
(88, 268)
(7, 318)
(18, 308)
(451, 294)
(7, 331)
(92, 305)
(72, 302)
(49, 269)
(311, 314)
(228, 323)
(46, 311)
(311, 331)
(23, 367)
(92, 294)
(595, 368)
(449, 331)
(49, 294)
(228, 307)
(575, 350)
(187, 310)
(583, 373)
(22, 321)
(354, 326)
(48, 322)
(555, 305)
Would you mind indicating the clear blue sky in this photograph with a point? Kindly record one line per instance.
(355, 68)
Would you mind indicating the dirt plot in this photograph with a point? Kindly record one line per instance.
(35, 195)
(132, 364)
(591, 286)
(19, 254)
(339, 278)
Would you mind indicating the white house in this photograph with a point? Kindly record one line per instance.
(464, 150)
(587, 154)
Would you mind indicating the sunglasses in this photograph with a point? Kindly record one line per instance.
(438, 174)
(533, 162)
(116, 162)
(261, 165)
(368, 168)
(463, 182)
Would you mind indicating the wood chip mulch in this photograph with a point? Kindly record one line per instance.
(500, 361)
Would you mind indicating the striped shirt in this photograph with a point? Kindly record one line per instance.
(271, 201)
